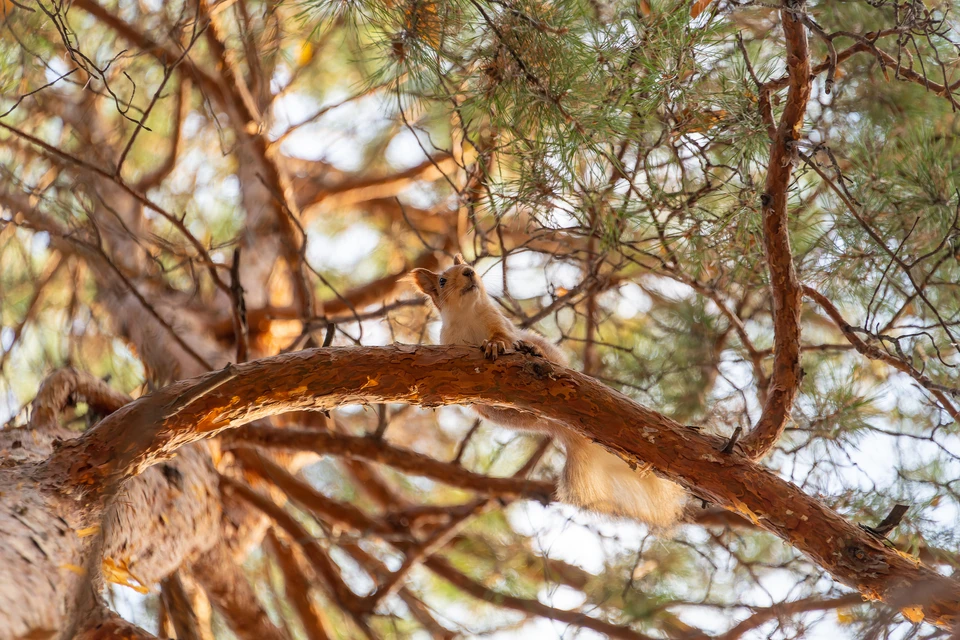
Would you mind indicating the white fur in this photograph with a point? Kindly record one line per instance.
(593, 478)
(596, 479)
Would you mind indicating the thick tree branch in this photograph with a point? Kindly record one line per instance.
(784, 285)
(297, 588)
(177, 604)
(110, 626)
(247, 122)
(135, 437)
(228, 590)
(366, 448)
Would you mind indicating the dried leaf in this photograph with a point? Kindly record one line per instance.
(119, 573)
(698, 7)
(906, 556)
(913, 614)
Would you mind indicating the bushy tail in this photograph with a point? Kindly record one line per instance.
(596, 479)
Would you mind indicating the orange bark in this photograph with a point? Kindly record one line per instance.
(784, 285)
(297, 588)
(155, 426)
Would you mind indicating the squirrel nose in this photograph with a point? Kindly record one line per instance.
(468, 272)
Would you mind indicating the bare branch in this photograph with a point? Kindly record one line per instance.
(784, 285)
(875, 353)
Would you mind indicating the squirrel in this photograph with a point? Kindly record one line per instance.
(593, 478)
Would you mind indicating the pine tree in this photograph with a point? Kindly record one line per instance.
(223, 418)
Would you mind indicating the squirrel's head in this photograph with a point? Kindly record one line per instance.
(456, 287)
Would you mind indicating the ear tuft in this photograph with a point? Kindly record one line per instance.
(428, 282)
(458, 259)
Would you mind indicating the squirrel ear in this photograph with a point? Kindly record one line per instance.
(428, 282)
(458, 259)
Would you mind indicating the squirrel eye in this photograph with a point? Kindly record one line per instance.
(443, 281)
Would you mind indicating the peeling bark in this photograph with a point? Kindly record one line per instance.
(784, 285)
(42, 549)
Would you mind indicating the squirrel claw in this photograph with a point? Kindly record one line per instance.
(526, 347)
(493, 348)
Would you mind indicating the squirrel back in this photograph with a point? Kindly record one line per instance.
(593, 478)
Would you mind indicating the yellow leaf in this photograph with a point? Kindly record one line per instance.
(119, 573)
(76, 569)
(845, 616)
(88, 531)
(306, 54)
(698, 7)
(424, 21)
(913, 614)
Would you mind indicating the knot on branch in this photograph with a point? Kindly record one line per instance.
(540, 369)
(861, 558)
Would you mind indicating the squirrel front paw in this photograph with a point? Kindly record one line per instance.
(526, 347)
(494, 348)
